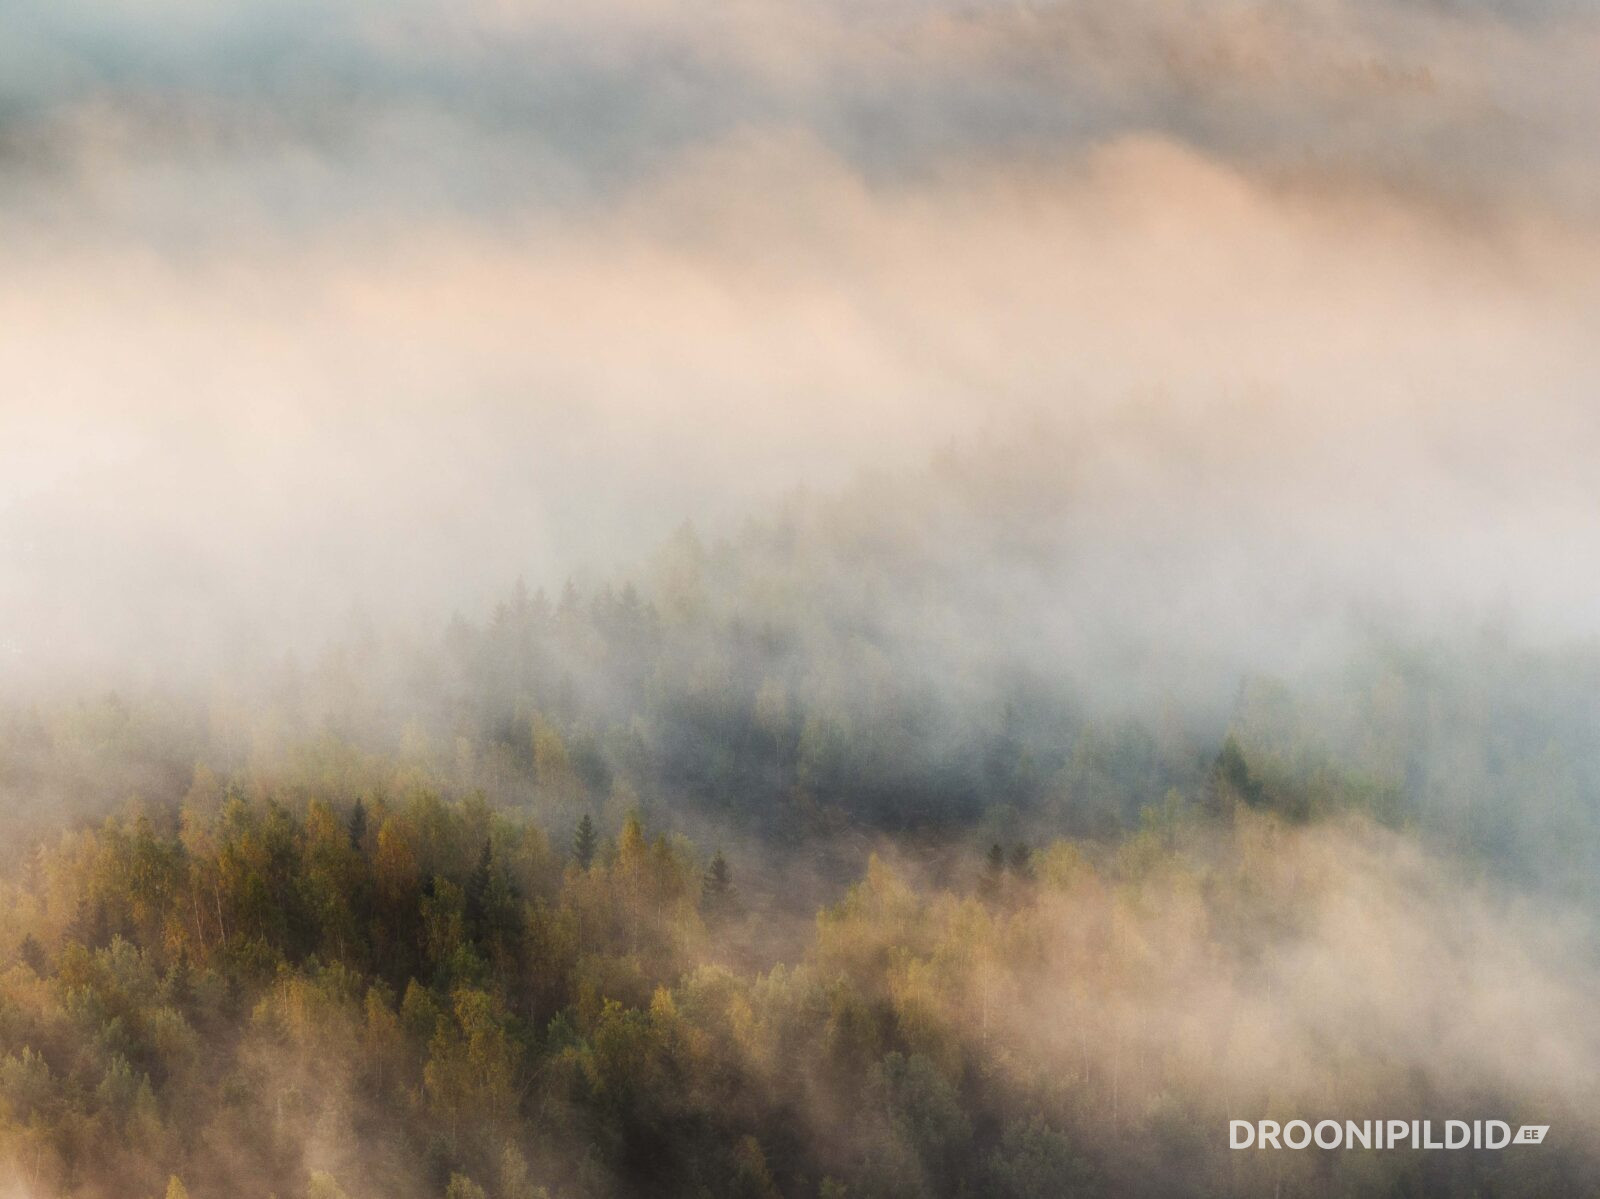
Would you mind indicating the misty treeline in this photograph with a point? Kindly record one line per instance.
(796, 867)
(892, 661)
(308, 995)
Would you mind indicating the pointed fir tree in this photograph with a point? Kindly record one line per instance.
(32, 954)
(584, 843)
(716, 888)
(358, 826)
(477, 889)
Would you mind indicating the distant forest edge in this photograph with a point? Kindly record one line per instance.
(789, 871)
(793, 689)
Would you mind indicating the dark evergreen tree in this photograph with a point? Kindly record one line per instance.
(1021, 861)
(358, 825)
(178, 986)
(584, 842)
(32, 954)
(716, 888)
(1232, 776)
(477, 889)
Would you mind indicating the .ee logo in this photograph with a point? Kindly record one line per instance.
(1530, 1134)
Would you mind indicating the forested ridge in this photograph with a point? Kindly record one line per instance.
(798, 599)
(828, 673)
(302, 996)
(721, 882)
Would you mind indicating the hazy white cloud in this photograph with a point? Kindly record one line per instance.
(388, 304)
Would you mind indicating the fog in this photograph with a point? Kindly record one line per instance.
(1335, 972)
(381, 307)
(468, 469)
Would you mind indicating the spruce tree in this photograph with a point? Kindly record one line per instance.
(716, 889)
(358, 825)
(584, 842)
(32, 954)
(477, 888)
(1021, 861)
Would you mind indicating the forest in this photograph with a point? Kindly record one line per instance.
(797, 599)
(699, 885)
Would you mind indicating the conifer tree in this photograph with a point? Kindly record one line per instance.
(358, 825)
(716, 889)
(584, 842)
(32, 954)
(477, 889)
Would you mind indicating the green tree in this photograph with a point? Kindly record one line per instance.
(462, 1187)
(471, 1064)
(1233, 777)
(552, 764)
(1022, 862)
(477, 888)
(584, 843)
(927, 1111)
(515, 1182)
(1034, 1161)
(716, 888)
(31, 954)
(751, 1177)
(358, 826)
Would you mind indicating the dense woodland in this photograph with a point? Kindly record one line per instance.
(797, 599)
(839, 671)
(292, 995)
(718, 884)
